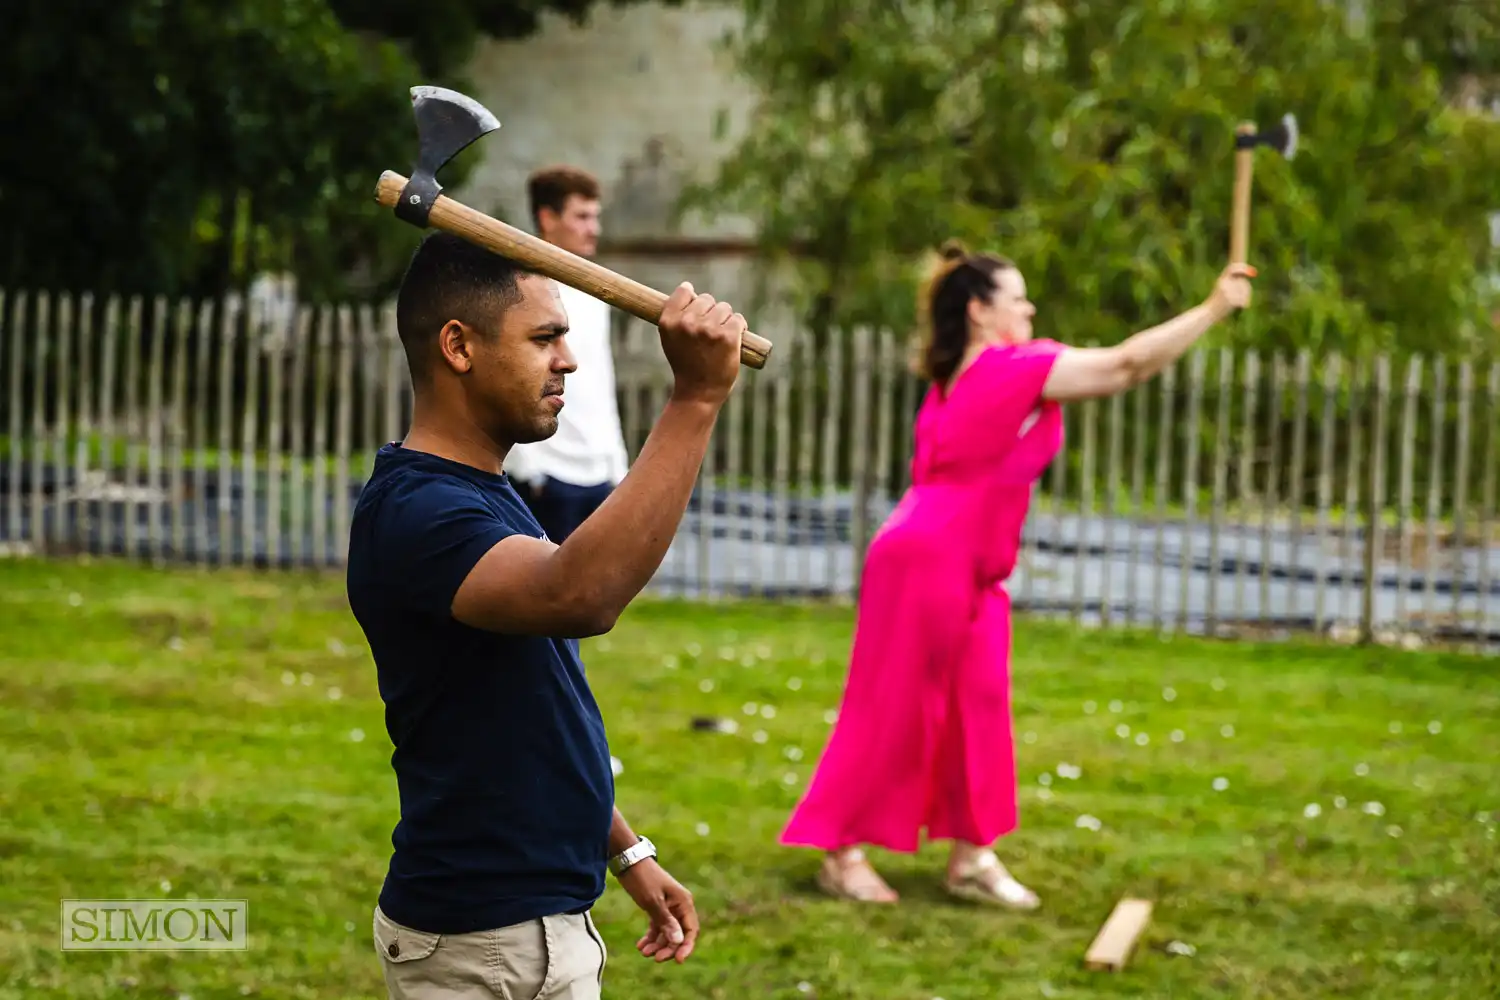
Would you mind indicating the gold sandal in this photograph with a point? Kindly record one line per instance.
(986, 880)
(854, 879)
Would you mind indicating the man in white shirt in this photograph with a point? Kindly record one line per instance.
(566, 477)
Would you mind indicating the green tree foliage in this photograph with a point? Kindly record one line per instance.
(175, 147)
(1091, 141)
(442, 33)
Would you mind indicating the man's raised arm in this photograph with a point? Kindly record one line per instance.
(529, 586)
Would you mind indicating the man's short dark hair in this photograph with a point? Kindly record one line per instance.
(450, 278)
(551, 187)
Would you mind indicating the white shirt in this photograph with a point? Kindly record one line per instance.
(589, 446)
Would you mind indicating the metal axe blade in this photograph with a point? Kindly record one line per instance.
(447, 122)
(1283, 137)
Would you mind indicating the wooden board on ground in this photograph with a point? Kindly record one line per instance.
(1116, 939)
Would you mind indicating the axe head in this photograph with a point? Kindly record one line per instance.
(1281, 137)
(447, 122)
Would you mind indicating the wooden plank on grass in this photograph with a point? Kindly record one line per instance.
(1117, 938)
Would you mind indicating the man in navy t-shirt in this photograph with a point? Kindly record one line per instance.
(508, 825)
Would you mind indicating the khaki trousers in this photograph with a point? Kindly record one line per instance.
(559, 957)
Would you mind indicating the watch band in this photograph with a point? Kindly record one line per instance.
(634, 854)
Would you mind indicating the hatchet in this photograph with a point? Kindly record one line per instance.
(1282, 138)
(447, 122)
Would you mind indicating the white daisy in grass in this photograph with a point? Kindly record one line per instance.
(1178, 736)
(1122, 731)
(1044, 779)
(1087, 822)
(1089, 708)
(792, 753)
(357, 735)
(1169, 694)
(1220, 784)
(1339, 802)
(669, 661)
(751, 708)
(768, 711)
(1434, 727)
(1117, 706)
(1374, 809)
(1217, 684)
(706, 685)
(1227, 731)
(727, 653)
(794, 684)
(1030, 737)
(1070, 771)
(1361, 769)
(831, 716)
(1141, 739)
(1312, 810)
(693, 649)
(760, 736)
(288, 678)
(701, 829)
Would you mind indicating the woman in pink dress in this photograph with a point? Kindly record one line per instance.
(923, 738)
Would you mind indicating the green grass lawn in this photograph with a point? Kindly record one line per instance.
(219, 734)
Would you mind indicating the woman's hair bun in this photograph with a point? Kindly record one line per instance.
(953, 250)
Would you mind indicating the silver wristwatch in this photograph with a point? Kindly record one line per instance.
(636, 852)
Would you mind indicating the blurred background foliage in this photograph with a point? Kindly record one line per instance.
(1091, 141)
(181, 148)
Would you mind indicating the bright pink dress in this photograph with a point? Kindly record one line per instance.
(923, 737)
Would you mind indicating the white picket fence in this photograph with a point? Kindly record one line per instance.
(1236, 494)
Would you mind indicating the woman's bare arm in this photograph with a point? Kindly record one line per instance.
(1092, 372)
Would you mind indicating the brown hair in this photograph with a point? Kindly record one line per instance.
(956, 278)
(550, 187)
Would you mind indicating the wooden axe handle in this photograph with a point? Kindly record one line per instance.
(1239, 219)
(553, 261)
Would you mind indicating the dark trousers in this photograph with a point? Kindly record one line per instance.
(561, 507)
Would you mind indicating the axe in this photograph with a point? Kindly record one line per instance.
(447, 122)
(1282, 138)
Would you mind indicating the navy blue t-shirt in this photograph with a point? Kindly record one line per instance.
(501, 761)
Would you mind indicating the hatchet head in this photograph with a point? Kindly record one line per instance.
(1281, 137)
(447, 122)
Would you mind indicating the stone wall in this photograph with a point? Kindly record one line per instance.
(635, 96)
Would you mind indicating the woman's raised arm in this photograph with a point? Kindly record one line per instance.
(1092, 372)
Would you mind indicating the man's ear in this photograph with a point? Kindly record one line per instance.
(546, 218)
(456, 342)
